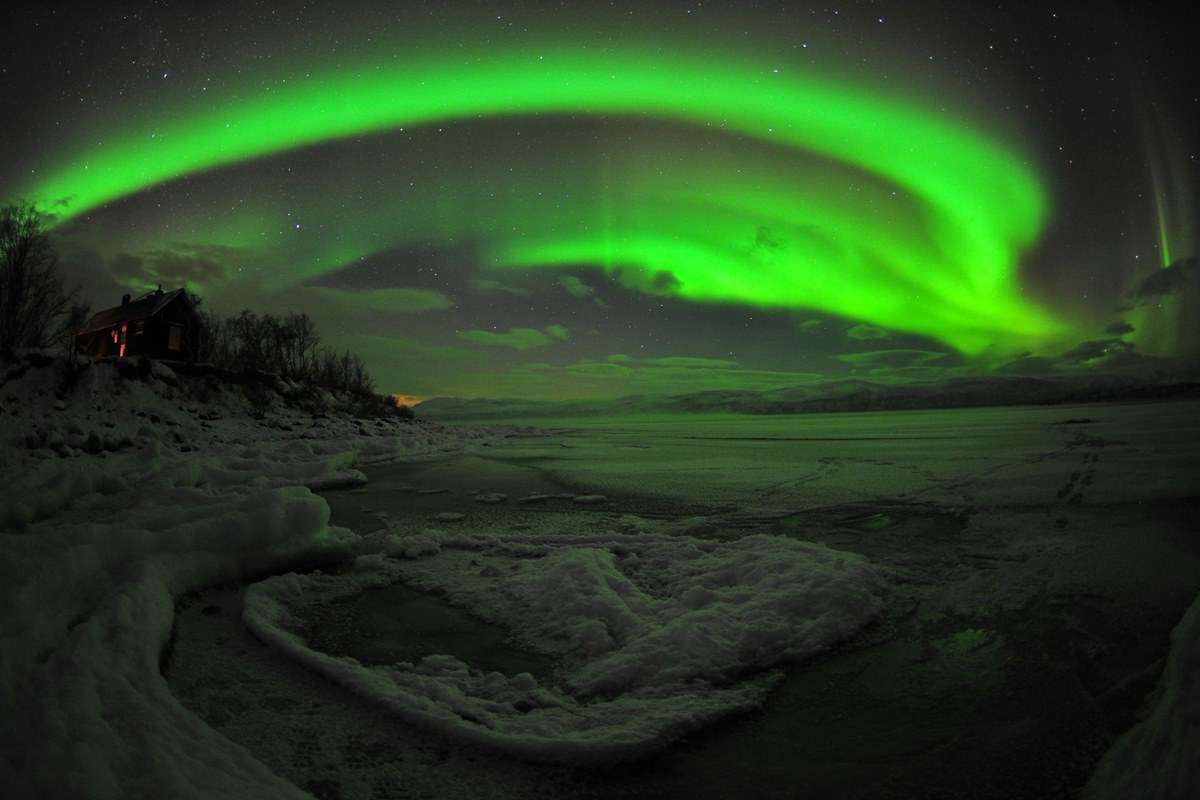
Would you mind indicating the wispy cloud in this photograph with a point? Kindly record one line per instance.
(517, 338)
(865, 332)
(396, 299)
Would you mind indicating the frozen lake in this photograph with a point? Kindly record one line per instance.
(1036, 560)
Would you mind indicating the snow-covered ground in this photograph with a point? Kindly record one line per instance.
(117, 496)
(120, 493)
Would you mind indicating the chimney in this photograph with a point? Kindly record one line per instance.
(124, 299)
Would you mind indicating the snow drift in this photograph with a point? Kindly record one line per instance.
(1159, 758)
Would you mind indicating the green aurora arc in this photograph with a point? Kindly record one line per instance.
(943, 264)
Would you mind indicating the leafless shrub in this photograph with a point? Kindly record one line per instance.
(36, 310)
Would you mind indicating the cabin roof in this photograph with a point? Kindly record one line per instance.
(143, 307)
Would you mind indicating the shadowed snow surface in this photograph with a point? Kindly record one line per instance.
(119, 494)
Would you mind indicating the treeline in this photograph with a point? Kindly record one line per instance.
(37, 311)
(287, 345)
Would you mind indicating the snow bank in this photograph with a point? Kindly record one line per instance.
(1159, 758)
(657, 635)
(119, 494)
(89, 608)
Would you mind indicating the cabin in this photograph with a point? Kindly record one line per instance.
(158, 324)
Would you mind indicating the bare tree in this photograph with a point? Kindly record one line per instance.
(32, 297)
(212, 339)
(73, 320)
(299, 341)
(286, 345)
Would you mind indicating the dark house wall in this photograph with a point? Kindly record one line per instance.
(158, 341)
(150, 336)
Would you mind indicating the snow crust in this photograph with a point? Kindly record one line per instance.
(656, 635)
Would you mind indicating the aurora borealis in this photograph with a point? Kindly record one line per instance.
(428, 181)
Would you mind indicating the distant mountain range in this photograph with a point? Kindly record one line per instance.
(842, 395)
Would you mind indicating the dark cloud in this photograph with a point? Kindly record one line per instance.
(1028, 365)
(1167, 280)
(763, 238)
(867, 333)
(575, 287)
(488, 285)
(1119, 328)
(891, 358)
(104, 277)
(691, 361)
(402, 300)
(657, 282)
(1093, 357)
(1097, 349)
(597, 369)
(180, 265)
(517, 338)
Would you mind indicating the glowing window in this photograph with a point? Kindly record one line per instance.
(175, 338)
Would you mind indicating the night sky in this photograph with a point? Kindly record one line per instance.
(595, 200)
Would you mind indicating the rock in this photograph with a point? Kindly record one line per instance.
(589, 499)
(449, 516)
(491, 498)
(431, 491)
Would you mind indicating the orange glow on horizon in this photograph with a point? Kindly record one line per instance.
(409, 400)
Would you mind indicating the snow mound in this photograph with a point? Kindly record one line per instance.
(656, 635)
(1159, 758)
